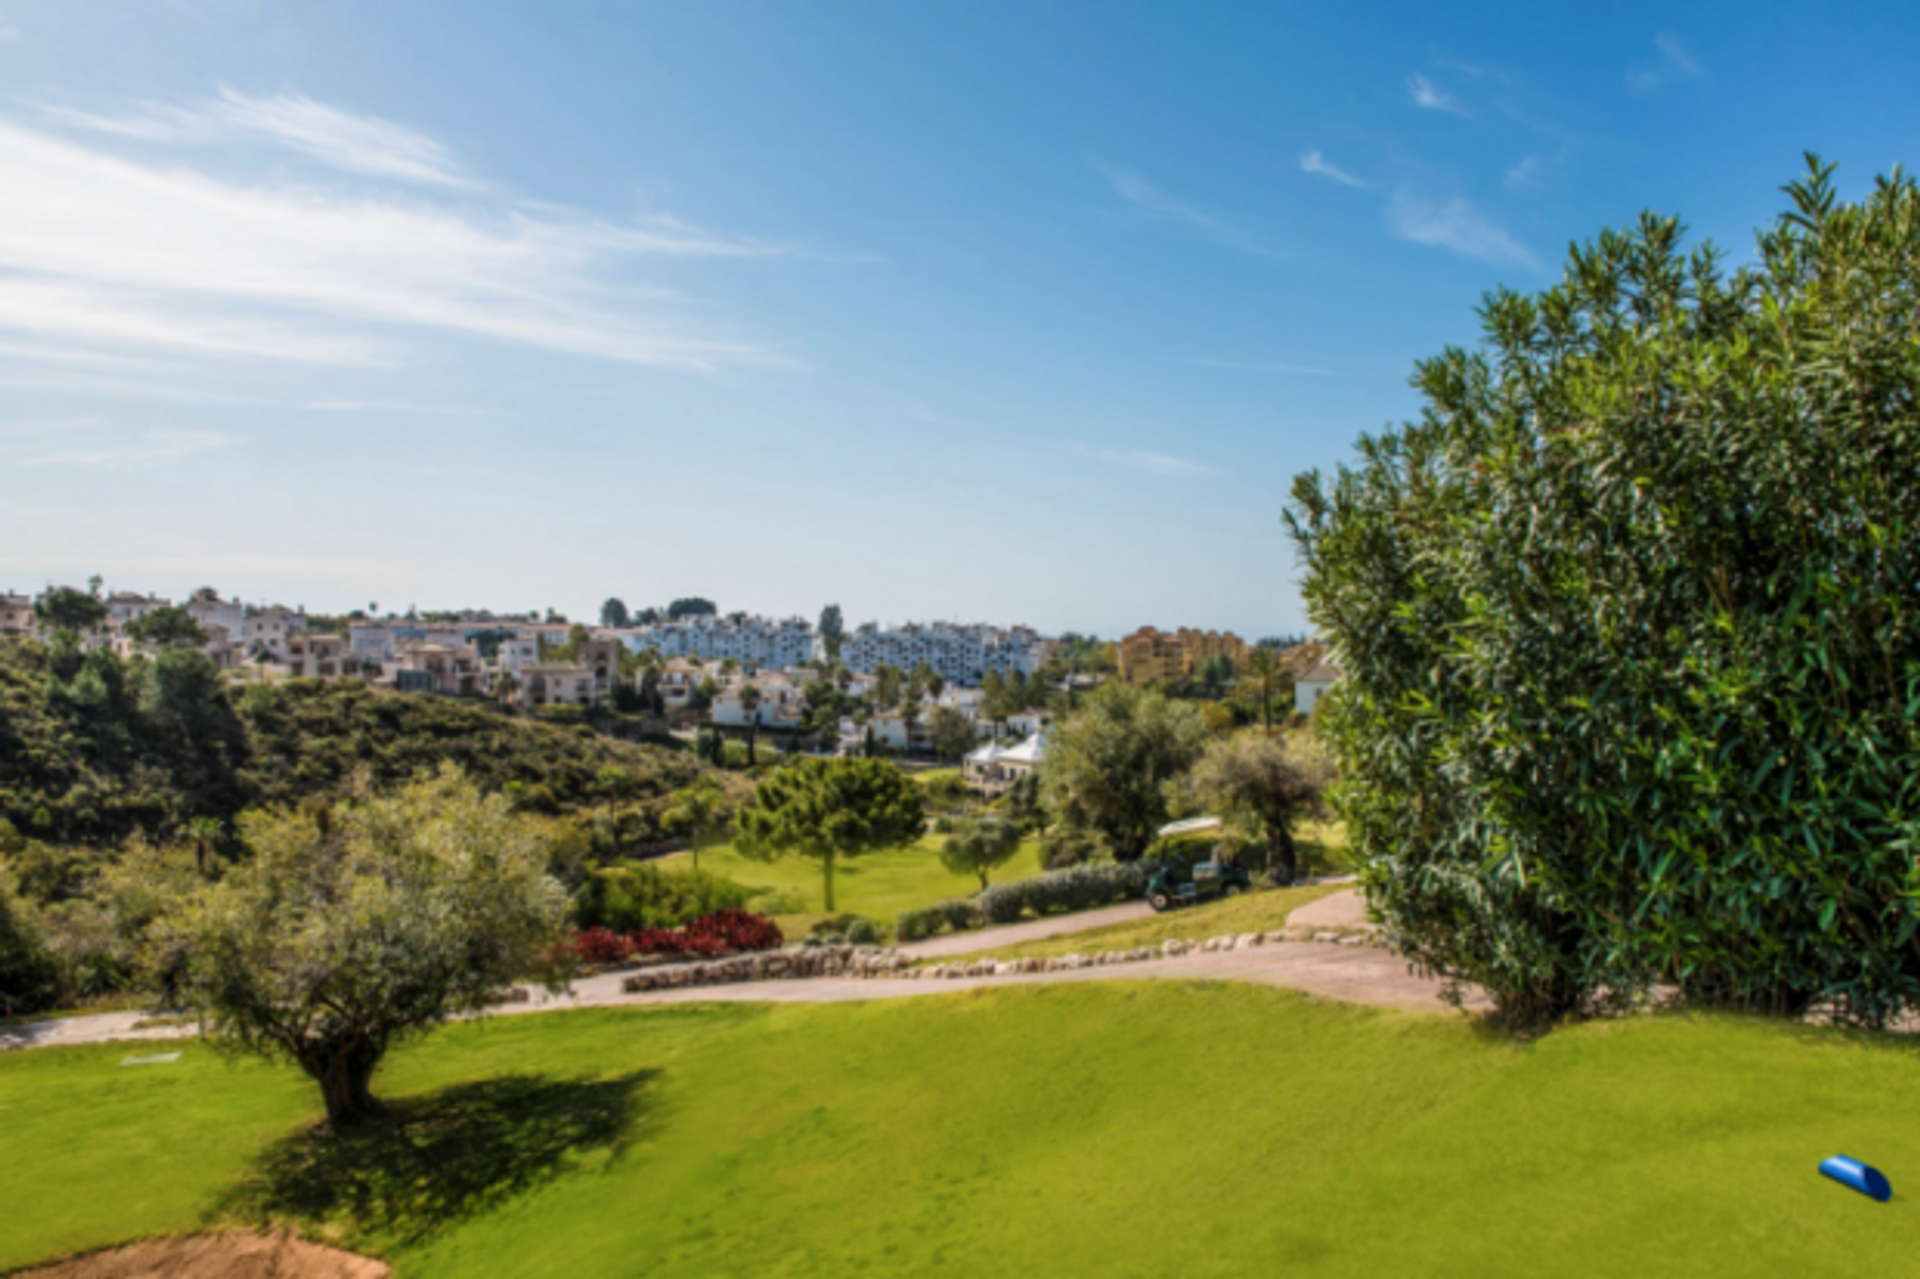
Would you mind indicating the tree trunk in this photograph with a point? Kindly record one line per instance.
(1283, 862)
(344, 1071)
(827, 865)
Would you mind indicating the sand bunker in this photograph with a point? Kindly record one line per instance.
(229, 1256)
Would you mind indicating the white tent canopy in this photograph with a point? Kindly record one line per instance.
(1191, 826)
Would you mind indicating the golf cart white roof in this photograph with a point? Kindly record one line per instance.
(1191, 826)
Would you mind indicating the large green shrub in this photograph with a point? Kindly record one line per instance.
(29, 977)
(1630, 624)
(637, 895)
(1076, 888)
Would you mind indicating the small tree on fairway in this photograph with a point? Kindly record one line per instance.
(826, 809)
(979, 846)
(697, 808)
(359, 925)
(1277, 782)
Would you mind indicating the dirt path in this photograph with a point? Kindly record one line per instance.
(1354, 974)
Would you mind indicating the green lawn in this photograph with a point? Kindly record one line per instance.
(878, 886)
(1127, 1129)
(1255, 912)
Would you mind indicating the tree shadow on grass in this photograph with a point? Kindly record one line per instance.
(430, 1161)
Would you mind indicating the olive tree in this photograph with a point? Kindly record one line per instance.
(1276, 781)
(1629, 626)
(1107, 767)
(827, 809)
(980, 846)
(357, 925)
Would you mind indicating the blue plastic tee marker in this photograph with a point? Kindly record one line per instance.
(1855, 1175)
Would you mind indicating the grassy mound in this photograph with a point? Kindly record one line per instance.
(878, 886)
(1123, 1129)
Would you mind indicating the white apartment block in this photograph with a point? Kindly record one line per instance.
(125, 606)
(757, 642)
(961, 654)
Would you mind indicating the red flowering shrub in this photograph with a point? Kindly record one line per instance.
(716, 934)
(739, 929)
(601, 946)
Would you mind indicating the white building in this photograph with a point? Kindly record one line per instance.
(1311, 685)
(210, 611)
(266, 631)
(756, 642)
(961, 654)
(125, 606)
(993, 768)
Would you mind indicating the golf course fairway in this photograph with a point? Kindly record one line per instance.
(1139, 1129)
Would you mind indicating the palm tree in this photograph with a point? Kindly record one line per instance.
(1264, 669)
(505, 685)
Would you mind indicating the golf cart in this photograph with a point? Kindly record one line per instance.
(1172, 883)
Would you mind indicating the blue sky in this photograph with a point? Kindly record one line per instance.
(1012, 312)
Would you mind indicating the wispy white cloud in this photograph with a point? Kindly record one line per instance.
(1429, 96)
(1675, 64)
(8, 34)
(57, 426)
(111, 252)
(1154, 204)
(1314, 162)
(1264, 366)
(1456, 225)
(135, 450)
(356, 143)
(1529, 173)
(1151, 463)
(390, 406)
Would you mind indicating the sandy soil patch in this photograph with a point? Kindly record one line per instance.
(228, 1255)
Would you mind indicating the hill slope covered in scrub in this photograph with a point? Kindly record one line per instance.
(95, 749)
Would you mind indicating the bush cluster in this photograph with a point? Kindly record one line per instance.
(639, 895)
(956, 913)
(1076, 888)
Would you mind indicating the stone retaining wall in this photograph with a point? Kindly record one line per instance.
(886, 961)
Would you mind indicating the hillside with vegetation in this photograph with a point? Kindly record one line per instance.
(94, 749)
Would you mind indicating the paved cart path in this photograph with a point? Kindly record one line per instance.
(1354, 974)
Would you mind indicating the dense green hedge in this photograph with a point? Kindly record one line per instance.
(1630, 623)
(1076, 888)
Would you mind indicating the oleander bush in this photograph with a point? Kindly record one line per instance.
(1630, 626)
